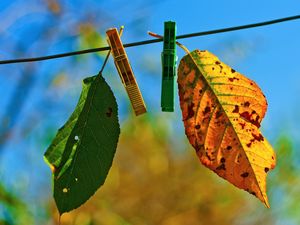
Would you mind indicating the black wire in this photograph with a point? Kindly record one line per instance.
(223, 30)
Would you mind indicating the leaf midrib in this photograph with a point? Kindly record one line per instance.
(83, 130)
(209, 86)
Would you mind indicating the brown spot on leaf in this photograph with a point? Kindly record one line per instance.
(219, 114)
(197, 127)
(229, 147)
(232, 71)
(236, 109)
(222, 160)
(247, 104)
(206, 110)
(248, 117)
(239, 156)
(231, 79)
(266, 169)
(109, 112)
(198, 147)
(243, 125)
(191, 112)
(208, 156)
(217, 62)
(249, 144)
(244, 175)
(221, 167)
(258, 137)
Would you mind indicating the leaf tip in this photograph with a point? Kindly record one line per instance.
(266, 201)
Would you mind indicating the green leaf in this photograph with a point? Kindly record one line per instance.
(82, 152)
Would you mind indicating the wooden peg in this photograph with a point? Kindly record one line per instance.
(125, 71)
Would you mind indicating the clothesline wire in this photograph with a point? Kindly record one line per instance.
(203, 33)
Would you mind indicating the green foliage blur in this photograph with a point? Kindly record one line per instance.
(151, 182)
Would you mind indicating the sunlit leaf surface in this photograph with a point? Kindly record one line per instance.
(222, 111)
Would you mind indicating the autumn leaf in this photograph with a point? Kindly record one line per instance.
(222, 111)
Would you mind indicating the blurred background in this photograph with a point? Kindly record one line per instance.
(156, 177)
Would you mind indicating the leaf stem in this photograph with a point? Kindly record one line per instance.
(109, 51)
(178, 43)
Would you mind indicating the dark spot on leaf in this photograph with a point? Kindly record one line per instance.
(253, 193)
(251, 83)
(247, 104)
(257, 120)
(231, 79)
(208, 156)
(109, 112)
(231, 88)
(213, 68)
(197, 127)
(200, 91)
(236, 109)
(249, 144)
(238, 158)
(217, 62)
(222, 160)
(258, 137)
(198, 147)
(243, 125)
(221, 167)
(229, 147)
(232, 71)
(219, 114)
(206, 110)
(191, 112)
(247, 116)
(244, 175)
(266, 169)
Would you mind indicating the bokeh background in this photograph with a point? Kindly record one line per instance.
(156, 177)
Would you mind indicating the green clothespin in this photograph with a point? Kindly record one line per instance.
(168, 58)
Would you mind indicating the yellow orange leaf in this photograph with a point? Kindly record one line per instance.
(222, 111)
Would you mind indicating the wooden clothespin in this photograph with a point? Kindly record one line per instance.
(125, 71)
(168, 58)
